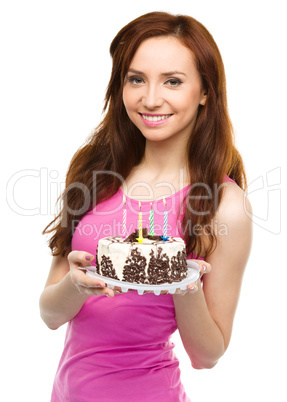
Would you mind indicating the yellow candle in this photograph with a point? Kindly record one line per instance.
(140, 238)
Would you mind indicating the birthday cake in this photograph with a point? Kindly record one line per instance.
(152, 261)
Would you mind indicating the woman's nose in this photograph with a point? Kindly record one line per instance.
(152, 98)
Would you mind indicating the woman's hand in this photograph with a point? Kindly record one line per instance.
(85, 284)
(205, 268)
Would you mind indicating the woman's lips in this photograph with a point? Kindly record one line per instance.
(152, 120)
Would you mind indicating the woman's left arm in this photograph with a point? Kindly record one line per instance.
(205, 317)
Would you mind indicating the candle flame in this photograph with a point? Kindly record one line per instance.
(164, 202)
(140, 205)
(124, 199)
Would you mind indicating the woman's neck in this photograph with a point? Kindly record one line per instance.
(162, 171)
(165, 160)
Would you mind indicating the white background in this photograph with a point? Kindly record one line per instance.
(54, 71)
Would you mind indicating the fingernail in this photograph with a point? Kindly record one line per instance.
(204, 268)
(89, 257)
(193, 289)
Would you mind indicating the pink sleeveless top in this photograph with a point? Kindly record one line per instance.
(119, 349)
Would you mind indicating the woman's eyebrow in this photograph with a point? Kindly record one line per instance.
(174, 73)
(131, 70)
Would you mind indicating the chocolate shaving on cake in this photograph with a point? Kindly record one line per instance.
(144, 232)
(154, 238)
(97, 263)
(134, 269)
(132, 238)
(178, 267)
(107, 268)
(158, 268)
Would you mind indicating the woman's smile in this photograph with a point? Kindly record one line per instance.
(153, 120)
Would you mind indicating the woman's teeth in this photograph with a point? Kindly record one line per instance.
(155, 118)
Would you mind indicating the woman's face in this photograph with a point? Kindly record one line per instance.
(163, 89)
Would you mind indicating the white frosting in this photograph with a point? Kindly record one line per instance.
(118, 251)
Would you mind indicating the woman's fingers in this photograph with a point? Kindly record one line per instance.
(164, 292)
(205, 268)
(91, 286)
(80, 258)
(95, 291)
(84, 283)
(79, 277)
(192, 288)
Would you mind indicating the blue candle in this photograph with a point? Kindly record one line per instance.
(164, 237)
(151, 231)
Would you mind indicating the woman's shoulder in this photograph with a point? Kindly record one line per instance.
(235, 208)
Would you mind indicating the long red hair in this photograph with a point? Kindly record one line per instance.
(211, 150)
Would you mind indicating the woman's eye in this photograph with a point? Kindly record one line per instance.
(174, 82)
(136, 80)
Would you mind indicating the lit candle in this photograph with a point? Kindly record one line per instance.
(164, 237)
(151, 230)
(124, 217)
(140, 238)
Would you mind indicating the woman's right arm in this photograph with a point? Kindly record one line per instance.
(67, 288)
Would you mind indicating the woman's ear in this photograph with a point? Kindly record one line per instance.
(203, 98)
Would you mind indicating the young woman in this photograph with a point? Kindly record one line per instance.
(166, 136)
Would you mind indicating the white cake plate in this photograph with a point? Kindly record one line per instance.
(193, 273)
